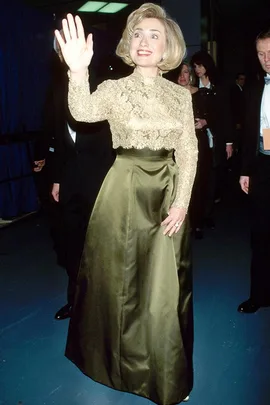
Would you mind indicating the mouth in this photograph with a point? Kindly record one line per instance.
(142, 52)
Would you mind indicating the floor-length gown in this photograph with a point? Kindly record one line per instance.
(132, 323)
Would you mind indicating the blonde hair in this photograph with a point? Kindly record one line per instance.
(175, 43)
(192, 79)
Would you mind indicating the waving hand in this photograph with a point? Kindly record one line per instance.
(76, 50)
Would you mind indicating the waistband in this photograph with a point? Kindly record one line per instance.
(145, 153)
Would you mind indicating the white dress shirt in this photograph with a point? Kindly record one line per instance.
(265, 114)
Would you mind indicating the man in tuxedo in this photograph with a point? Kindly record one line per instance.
(82, 157)
(255, 179)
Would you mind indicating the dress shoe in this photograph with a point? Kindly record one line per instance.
(63, 313)
(248, 307)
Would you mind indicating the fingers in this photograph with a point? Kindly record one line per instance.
(172, 226)
(55, 197)
(89, 42)
(66, 30)
(80, 29)
(72, 26)
(59, 38)
(244, 187)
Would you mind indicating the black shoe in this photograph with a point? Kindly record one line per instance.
(198, 233)
(63, 313)
(248, 307)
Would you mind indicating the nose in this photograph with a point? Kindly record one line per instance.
(144, 41)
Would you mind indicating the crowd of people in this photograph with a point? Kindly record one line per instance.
(127, 217)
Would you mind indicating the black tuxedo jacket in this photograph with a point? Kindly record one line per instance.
(216, 103)
(237, 98)
(78, 166)
(253, 99)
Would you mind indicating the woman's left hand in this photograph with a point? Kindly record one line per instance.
(174, 220)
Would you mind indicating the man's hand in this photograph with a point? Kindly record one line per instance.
(200, 123)
(229, 151)
(55, 191)
(39, 164)
(244, 183)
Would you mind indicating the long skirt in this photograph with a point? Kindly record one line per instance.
(132, 322)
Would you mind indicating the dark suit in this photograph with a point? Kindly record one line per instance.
(237, 98)
(79, 167)
(215, 102)
(257, 166)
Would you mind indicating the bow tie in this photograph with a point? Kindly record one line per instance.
(267, 80)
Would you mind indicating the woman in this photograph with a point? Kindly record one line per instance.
(215, 98)
(185, 78)
(131, 327)
(200, 190)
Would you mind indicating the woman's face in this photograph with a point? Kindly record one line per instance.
(199, 70)
(148, 43)
(184, 76)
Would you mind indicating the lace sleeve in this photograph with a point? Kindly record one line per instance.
(186, 153)
(87, 107)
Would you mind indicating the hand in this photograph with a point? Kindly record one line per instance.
(39, 164)
(174, 220)
(244, 183)
(229, 151)
(76, 51)
(200, 123)
(55, 191)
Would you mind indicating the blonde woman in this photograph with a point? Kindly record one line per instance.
(131, 327)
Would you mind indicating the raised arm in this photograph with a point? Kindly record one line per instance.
(76, 50)
(77, 53)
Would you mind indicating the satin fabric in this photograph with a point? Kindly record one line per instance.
(132, 324)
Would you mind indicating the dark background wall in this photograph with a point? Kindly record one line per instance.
(24, 58)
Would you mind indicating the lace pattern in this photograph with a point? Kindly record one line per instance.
(144, 112)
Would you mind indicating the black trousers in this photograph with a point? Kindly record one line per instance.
(75, 215)
(260, 232)
(202, 198)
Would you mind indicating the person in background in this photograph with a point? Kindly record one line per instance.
(132, 325)
(255, 178)
(200, 192)
(237, 98)
(82, 157)
(219, 127)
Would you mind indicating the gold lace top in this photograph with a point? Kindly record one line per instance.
(143, 113)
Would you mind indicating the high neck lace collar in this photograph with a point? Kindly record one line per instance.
(148, 80)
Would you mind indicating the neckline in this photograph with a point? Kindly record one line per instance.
(149, 80)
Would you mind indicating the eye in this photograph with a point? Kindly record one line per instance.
(136, 34)
(154, 36)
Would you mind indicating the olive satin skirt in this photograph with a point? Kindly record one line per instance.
(132, 322)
